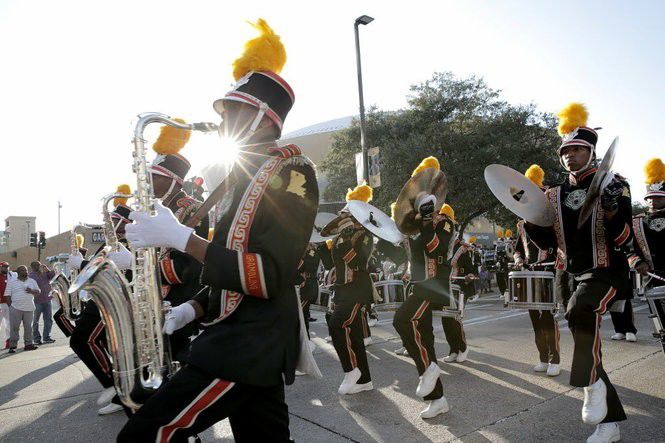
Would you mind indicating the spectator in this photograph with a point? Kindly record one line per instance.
(20, 294)
(485, 280)
(42, 275)
(5, 275)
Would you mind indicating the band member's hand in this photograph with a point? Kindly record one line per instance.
(74, 261)
(122, 259)
(609, 199)
(643, 268)
(160, 230)
(178, 317)
(406, 277)
(519, 263)
(426, 207)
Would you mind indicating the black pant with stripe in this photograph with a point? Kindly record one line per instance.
(586, 307)
(192, 401)
(88, 341)
(346, 330)
(454, 332)
(65, 325)
(413, 323)
(546, 331)
(624, 322)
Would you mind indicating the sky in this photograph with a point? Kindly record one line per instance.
(76, 73)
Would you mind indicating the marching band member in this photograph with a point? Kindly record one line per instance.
(309, 283)
(501, 262)
(351, 251)
(597, 256)
(649, 231)
(461, 265)
(63, 323)
(238, 366)
(430, 275)
(545, 327)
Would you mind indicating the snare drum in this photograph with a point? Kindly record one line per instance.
(455, 306)
(324, 299)
(656, 299)
(531, 290)
(639, 283)
(392, 294)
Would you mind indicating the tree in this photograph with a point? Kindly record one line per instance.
(467, 126)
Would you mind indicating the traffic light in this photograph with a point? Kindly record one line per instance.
(42, 239)
(34, 239)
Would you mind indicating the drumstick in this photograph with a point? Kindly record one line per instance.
(656, 276)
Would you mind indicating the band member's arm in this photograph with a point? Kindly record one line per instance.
(355, 250)
(325, 255)
(395, 253)
(520, 254)
(543, 237)
(436, 236)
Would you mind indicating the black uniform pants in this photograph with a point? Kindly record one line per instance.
(192, 401)
(546, 331)
(304, 305)
(413, 323)
(88, 341)
(65, 325)
(366, 329)
(346, 329)
(502, 281)
(586, 307)
(454, 332)
(624, 322)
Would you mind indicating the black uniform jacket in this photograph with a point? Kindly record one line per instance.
(430, 262)
(601, 248)
(251, 268)
(307, 274)
(528, 251)
(351, 252)
(650, 240)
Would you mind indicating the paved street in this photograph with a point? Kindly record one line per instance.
(49, 395)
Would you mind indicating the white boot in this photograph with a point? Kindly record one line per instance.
(299, 374)
(367, 341)
(631, 337)
(427, 381)
(401, 351)
(435, 407)
(450, 358)
(350, 383)
(462, 356)
(553, 370)
(618, 336)
(605, 433)
(106, 396)
(594, 409)
(328, 339)
(540, 367)
(109, 409)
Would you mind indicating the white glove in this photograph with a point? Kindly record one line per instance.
(122, 259)
(178, 317)
(160, 230)
(74, 261)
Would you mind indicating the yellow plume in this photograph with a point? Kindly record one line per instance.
(429, 162)
(80, 240)
(655, 171)
(362, 192)
(509, 233)
(536, 174)
(446, 209)
(572, 117)
(122, 189)
(211, 233)
(329, 243)
(473, 239)
(263, 53)
(171, 140)
(499, 233)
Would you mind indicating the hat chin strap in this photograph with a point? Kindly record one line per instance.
(167, 194)
(244, 140)
(592, 158)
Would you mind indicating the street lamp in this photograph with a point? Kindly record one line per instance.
(362, 20)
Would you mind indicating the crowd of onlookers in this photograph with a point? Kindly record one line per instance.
(25, 298)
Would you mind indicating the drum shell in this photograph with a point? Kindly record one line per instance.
(531, 289)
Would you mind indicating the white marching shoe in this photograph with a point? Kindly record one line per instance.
(540, 367)
(371, 322)
(618, 336)
(350, 383)
(368, 341)
(427, 381)
(106, 396)
(401, 351)
(631, 337)
(328, 339)
(109, 409)
(450, 358)
(435, 407)
(595, 403)
(553, 370)
(300, 374)
(461, 357)
(605, 433)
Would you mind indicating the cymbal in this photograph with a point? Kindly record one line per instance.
(428, 181)
(519, 195)
(372, 219)
(321, 220)
(602, 178)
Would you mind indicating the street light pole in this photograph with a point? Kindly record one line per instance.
(362, 20)
(59, 207)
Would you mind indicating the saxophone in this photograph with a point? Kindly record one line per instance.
(134, 313)
(70, 303)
